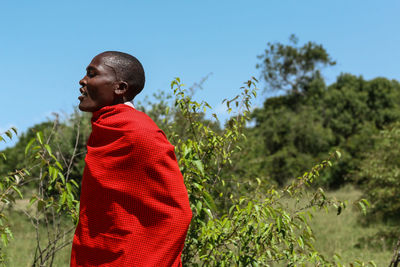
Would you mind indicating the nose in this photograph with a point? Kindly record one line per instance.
(83, 82)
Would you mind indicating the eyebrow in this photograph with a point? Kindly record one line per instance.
(90, 68)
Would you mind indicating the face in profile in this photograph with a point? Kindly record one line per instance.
(97, 87)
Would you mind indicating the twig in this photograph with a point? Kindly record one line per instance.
(396, 255)
(74, 152)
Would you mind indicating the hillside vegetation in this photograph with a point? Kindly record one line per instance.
(257, 193)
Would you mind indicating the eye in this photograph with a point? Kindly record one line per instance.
(90, 73)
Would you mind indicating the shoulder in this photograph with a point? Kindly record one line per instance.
(124, 117)
(125, 125)
(139, 127)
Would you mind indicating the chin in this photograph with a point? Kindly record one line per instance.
(84, 108)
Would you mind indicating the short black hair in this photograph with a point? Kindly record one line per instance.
(128, 69)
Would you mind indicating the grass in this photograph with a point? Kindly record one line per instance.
(334, 234)
(21, 250)
(344, 235)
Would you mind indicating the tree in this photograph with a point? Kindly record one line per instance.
(290, 68)
(379, 175)
(308, 119)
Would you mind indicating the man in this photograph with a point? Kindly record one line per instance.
(134, 208)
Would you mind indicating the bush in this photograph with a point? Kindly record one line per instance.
(379, 176)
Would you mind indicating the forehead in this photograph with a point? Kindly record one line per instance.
(99, 62)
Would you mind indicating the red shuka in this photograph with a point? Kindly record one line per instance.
(134, 208)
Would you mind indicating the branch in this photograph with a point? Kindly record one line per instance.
(396, 255)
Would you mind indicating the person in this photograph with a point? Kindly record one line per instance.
(134, 206)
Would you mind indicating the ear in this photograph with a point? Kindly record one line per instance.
(121, 88)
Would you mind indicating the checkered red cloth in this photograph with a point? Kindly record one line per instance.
(134, 208)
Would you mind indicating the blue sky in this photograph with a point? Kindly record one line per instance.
(46, 45)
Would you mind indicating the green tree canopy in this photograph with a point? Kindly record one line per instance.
(291, 68)
(310, 119)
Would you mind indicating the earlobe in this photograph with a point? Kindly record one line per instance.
(121, 88)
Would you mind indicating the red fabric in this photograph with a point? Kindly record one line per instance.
(134, 208)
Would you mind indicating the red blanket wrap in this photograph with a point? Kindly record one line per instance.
(134, 208)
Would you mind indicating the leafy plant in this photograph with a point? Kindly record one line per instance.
(379, 176)
(255, 229)
(55, 197)
(9, 184)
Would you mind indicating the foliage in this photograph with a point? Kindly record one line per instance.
(254, 226)
(299, 127)
(379, 175)
(291, 68)
(379, 178)
(55, 196)
(333, 234)
(255, 229)
(241, 181)
(15, 155)
(63, 141)
(68, 140)
(169, 117)
(9, 184)
(50, 186)
(293, 141)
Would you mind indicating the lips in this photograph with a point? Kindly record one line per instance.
(83, 93)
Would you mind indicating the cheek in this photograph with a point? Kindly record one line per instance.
(101, 93)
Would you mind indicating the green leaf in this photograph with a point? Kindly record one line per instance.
(9, 233)
(17, 191)
(63, 198)
(363, 208)
(279, 223)
(33, 200)
(41, 205)
(199, 166)
(39, 136)
(300, 241)
(5, 239)
(29, 145)
(199, 206)
(14, 130)
(51, 173)
(74, 183)
(366, 202)
(59, 165)
(231, 209)
(48, 149)
(209, 213)
(69, 189)
(9, 134)
(209, 200)
(62, 177)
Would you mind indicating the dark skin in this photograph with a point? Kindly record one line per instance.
(101, 86)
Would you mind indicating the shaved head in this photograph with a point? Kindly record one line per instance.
(128, 69)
